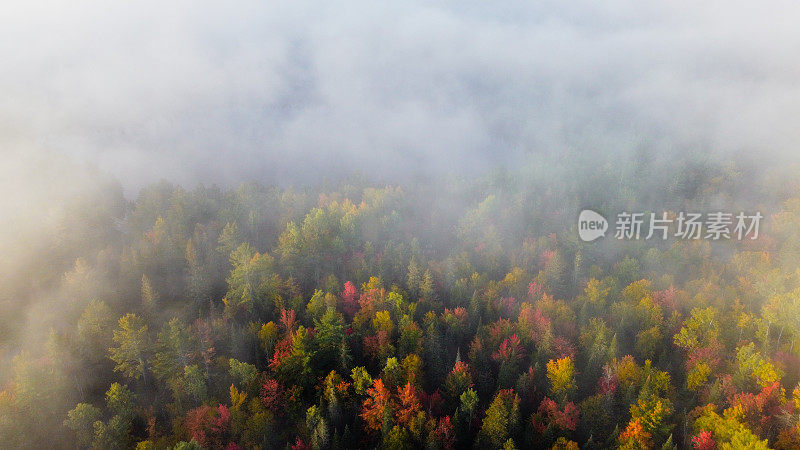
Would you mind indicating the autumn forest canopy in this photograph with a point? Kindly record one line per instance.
(451, 313)
(399, 225)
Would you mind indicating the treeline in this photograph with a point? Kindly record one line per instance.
(449, 314)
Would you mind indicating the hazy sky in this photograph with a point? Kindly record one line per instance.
(285, 91)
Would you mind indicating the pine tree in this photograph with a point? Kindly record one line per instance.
(149, 295)
(133, 347)
(502, 419)
(414, 277)
(173, 350)
(434, 352)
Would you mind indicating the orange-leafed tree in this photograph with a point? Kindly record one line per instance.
(379, 403)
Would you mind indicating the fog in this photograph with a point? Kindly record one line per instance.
(585, 104)
(291, 92)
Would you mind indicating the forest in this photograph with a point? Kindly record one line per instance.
(451, 313)
(439, 225)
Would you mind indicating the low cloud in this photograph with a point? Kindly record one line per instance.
(284, 92)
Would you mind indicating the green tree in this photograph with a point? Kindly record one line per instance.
(132, 347)
(318, 428)
(81, 421)
(332, 352)
(115, 433)
(502, 419)
(174, 349)
(361, 380)
(250, 280)
(244, 373)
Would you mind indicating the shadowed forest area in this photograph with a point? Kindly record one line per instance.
(447, 313)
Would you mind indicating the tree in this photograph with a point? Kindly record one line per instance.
(121, 401)
(293, 356)
(727, 431)
(410, 405)
(95, 328)
(194, 383)
(207, 425)
(565, 444)
(434, 352)
(510, 354)
(502, 419)
(273, 396)
(411, 337)
(651, 414)
(414, 277)
(133, 347)
(550, 416)
(426, 287)
(635, 437)
(229, 239)
(444, 434)
(349, 302)
(332, 352)
(361, 380)
(412, 369)
(598, 346)
(468, 401)
(378, 404)
(249, 282)
(115, 433)
(81, 421)
(198, 277)
(319, 304)
(753, 370)
(318, 428)
(149, 294)
(457, 382)
(704, 441)
(561, 373)
(174, 349)
(392, 373)
(244, 373)
(701, 327)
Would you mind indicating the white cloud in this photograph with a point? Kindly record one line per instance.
(281, 91)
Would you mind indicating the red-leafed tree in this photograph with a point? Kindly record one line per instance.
(299, 444)
(273, 396)
(350, 304)
(445, 433)
(704, 441)
(510, 350)
(208, 425)
(458, 380)
(549, 415)
(509, 355)
(432, 402)
(288, 320)
(760, 411)
(283, 349)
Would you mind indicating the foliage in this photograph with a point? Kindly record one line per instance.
(352, 316)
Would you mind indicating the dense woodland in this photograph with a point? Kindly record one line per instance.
(450, 313)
